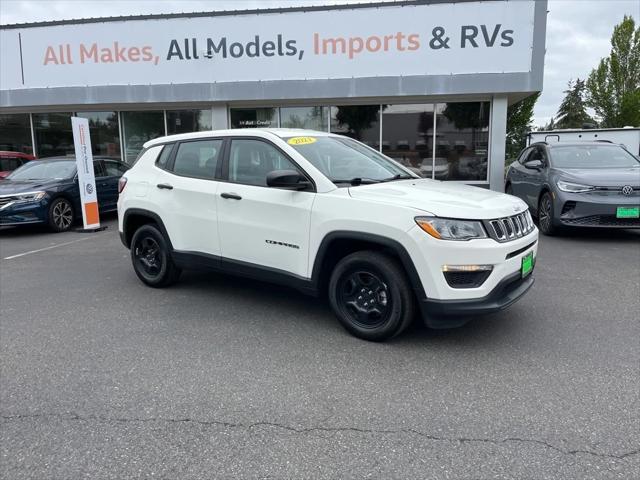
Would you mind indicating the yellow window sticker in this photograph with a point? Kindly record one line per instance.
(301, 140)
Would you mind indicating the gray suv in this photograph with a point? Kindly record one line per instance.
(583, 184)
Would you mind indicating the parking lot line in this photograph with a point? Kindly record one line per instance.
(45, 248)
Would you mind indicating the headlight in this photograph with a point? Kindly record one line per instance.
(28, 197)
(451, 229)
(573, 187)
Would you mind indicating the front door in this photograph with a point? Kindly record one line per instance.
(259, 225)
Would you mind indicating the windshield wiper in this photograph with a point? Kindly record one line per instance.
(399, 176)
(358, 181)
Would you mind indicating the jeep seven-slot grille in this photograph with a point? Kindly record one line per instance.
(510, 228)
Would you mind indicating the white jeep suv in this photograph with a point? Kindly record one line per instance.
(327, 215)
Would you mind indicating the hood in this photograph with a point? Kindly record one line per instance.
(8, 187)
(443, 199)
(602, 177)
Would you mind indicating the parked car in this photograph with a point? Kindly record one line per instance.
(325, 213)
(9, 161)
(585, 184)
(46, 191)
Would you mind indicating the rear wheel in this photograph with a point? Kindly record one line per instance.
(546, 219)
(60, 215)
(151, 258)
(370, 295)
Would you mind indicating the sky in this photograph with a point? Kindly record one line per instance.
(578, 31)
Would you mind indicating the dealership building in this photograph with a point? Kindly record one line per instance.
(426, 82)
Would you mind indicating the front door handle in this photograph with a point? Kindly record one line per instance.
(164, 186)
(231, 196)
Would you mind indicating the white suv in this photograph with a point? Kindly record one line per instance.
(326, 214)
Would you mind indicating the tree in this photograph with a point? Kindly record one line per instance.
(613, 89)
(573, 110)
(519, 123)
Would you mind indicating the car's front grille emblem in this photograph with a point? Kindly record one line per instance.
(627, 190)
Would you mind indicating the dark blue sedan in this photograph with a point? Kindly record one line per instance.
(46, 191)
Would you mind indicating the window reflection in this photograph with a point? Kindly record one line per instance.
(185, 121)
(361, 122)
(407, 137)
(254, 117)
(462, 140)
(313, 118)
(139, 127)
(15, 133)
(53, 134)
(103, 130)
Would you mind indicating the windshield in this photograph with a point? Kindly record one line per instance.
(592, 156)
(42, 170)
(344, 160)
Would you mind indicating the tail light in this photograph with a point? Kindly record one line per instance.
(121, 184)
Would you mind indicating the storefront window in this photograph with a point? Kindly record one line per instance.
(462, 138)
(139, 127)
(254, 117)
(15, 133)
(53, 133)
(407, 136)
(103, 130)
(185, 121)
(313, 118)
(361, 122)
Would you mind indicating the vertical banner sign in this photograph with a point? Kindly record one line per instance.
(86, 177)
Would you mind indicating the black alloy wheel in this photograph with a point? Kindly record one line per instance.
(61, 215)
(545, 215)
(371, 296)
(151, 258)
(365, 297)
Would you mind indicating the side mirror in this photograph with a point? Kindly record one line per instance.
(534, 165)
(287, 179)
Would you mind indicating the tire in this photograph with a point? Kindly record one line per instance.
(151, 258)
(370, 295)
(61, 215)
(546, 218)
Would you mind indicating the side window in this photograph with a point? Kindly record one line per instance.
(536, 154)
(98, 168)
(524, 155)
(197, 159)
(9, 163)
(163, 158)
(114, 169)
(251, 160)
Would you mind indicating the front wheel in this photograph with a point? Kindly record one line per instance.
(151, 258)
(60, 215)
(546, 219)
(370, 295)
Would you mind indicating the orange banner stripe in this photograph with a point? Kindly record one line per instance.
(91, 213)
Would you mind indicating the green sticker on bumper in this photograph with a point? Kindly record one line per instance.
(628, 212)
(527, 264)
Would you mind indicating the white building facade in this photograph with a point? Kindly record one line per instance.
(427, 82)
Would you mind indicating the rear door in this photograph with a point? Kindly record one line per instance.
(517, 173)
(184, 192)
(106, 200)
(113, 170)
(259, 225)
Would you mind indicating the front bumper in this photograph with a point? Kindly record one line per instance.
(455, 313)
(24, 213)
(594, 209)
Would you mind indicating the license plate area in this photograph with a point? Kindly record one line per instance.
(628, 212)
(527, 265)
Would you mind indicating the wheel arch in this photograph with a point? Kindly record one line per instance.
(338, 244)
(135, 218)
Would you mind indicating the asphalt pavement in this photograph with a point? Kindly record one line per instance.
(219, 377)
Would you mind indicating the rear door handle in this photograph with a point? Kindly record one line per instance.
(231, 196)
(164, 186)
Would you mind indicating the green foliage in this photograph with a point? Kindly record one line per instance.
(613, 88)
(573, 110)
(519, 120)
